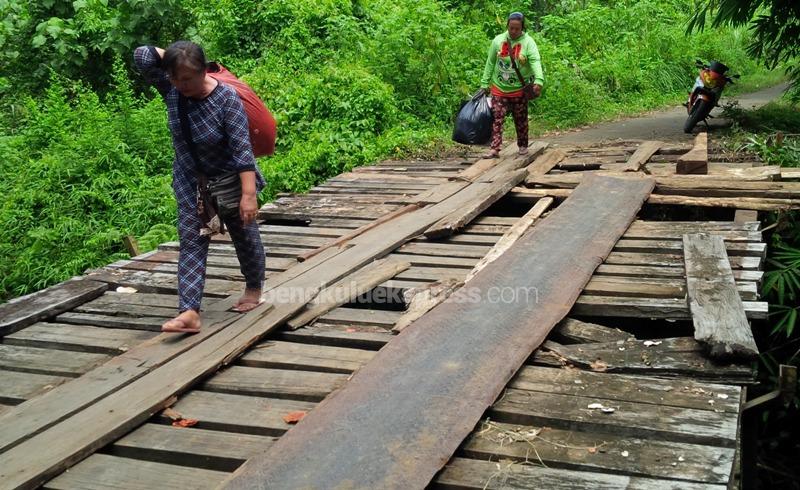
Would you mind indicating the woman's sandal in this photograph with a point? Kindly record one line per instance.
(491, 154)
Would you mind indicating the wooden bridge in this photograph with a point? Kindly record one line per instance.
(381, 334)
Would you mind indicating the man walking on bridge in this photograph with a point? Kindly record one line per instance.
(514, 70)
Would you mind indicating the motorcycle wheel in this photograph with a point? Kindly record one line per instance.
(699, 112)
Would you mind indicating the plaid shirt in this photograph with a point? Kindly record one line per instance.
(219, 130)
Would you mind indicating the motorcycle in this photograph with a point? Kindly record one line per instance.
(706, 92)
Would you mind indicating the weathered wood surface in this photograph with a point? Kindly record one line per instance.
(463, 371)
(570, 330)
(17, 387)
(600, 452)
(546, 162)
(751, 203)
(81, 338)
(425, 300)
(133, 403)
(512, 235)
(312, 357)
(466, 473)
(720, 321)
(275, 383)
(102, 471)
(48, 361)
(209, 449)
(680, 356)
(696, 160)
(26, 310)
(485, 194)
(348, 289)
(638, 161)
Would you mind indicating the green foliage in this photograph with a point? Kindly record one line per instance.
(349, 82)
(79, 176)
(79, 39)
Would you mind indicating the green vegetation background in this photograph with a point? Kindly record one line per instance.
(86, 155)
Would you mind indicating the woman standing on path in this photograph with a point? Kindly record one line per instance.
(512, 54)
(218, 129)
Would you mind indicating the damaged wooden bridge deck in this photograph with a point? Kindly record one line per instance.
(619, 395)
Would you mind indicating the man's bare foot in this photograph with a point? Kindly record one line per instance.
(249, 300)
(186, 322)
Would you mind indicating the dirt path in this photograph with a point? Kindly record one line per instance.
(664, 125)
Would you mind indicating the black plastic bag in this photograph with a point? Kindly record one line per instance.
(474, 121)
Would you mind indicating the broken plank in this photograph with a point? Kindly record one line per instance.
(578, 332)
(638, 161)
(718, 315)
(599, 451)
(696, 160)
(431, 413)
(638, 307)
(546, 162)
(348, 289)
(484, 195)
(512, 235)
(465, 473)
(680, 356)
(20, 312)
(425, 300)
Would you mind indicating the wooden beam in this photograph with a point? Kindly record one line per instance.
(358, 231)
(638, 160)
(435, 380)
(26, 310)
(483, 196)
(717, 311)
(579, 332)
(425, 300)
(696, 160)
(348, 289)
(512, 235)
(546, 162)
(753, 203)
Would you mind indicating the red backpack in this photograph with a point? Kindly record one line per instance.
(262, 125)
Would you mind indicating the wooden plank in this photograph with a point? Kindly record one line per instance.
(151, 324)
(512, 235)
(361, 316)
(351, 337)
(637, 307)
(696, 160)
(275, 383)
(485, 195)
(720, 321)
(17, 387)
(680, 356)
(20, 312)
(464, 473)
(454, 250)
(81, 338)
(431, 413)
(744, 216)
(103, 471)
(425, 300)
(48, 361)
(674, 246)
(33, 461)
(579, 332)
(358, 231)
(609, 388)
(638, 161)
(347, 290)
(306, 357)
(209, 449)
(238, 413)
(600, 452)
(738, 202)
(546, 162)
